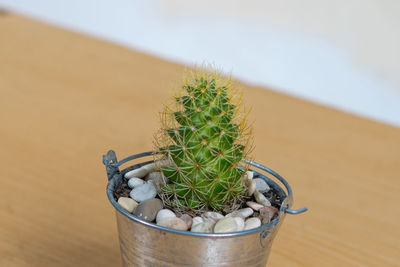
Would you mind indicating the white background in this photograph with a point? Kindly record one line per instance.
(344, 54)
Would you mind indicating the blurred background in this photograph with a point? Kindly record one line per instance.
(343, 54)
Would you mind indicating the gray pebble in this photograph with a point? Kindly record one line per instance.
(252, 223)
(143, 192)
(261, 185)
(148, 209)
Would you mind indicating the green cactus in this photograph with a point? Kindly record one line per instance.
(205, 140)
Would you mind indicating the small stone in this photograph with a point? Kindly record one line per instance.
(138, 173)
(163, 214)
(143, 192)
(187, 219)
(261, 199)
(267, 213)
(261, 185)
(252, 223)
(251, 187)
(215, 216)
(242, 213)
(203, 227)
(157, 179)
(232, 214)
(174, 223)
(197, 220)
(146, 169)
(127, 204)
(226, 225)
(148, 209)
(134, 182)
(240, 223)
(254, 205)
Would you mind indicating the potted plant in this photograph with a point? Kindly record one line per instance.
(198, 202)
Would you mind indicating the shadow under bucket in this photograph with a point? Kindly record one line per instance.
(146, 244)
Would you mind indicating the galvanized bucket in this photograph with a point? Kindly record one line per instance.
(147, 244)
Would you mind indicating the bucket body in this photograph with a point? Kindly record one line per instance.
(142, 245)
(146, 244)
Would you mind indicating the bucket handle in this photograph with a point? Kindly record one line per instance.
(297, 211)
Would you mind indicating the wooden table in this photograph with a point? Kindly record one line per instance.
(65, 99)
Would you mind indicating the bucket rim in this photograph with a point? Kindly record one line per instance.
(286, 203)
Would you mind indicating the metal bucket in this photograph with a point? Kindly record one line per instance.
(147, 244)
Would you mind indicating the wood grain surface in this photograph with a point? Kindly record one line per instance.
(65, 99)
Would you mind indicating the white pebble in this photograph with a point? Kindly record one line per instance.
(242, 213)
(240, 223)
(127, 204)
(197, 220)
(252, 223)
(203, 227)
(226, 225)
(143, 192)
(138, 173)
(254, 205)
(215, 216)
(261, 185)
(134, 181)
(146, 169)
(261, 199)
(164, 213)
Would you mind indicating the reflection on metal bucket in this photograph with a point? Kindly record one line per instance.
(146, 244)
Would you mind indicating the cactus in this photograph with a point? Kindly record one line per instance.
(205, 138)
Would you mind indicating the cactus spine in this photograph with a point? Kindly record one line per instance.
(205, 139)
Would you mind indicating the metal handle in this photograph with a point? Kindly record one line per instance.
(109, 160)
(298, 211)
